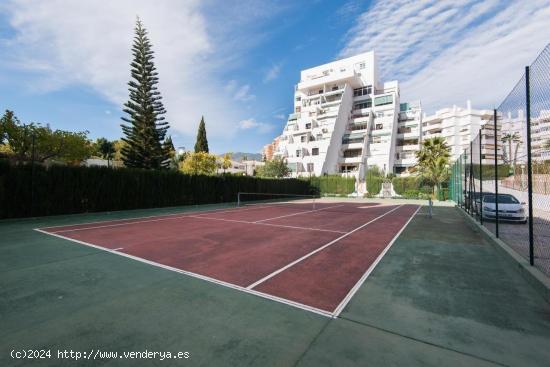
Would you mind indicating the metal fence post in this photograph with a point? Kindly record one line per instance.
(496, 170)
(472, 200)
(480, 181)
(529, 165)
(465, 184)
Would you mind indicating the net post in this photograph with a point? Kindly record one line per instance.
(238, 199)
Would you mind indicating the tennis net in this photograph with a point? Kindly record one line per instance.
(307, 202)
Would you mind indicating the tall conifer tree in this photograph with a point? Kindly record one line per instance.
(145, 127)
(201, 145)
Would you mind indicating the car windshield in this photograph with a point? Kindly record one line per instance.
(502, 199)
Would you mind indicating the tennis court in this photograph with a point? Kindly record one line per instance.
(308, 254)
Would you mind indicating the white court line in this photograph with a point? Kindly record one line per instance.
(265, 224)
(290, 215)
(269, 276)
(134, 222)
(117, 249)
(195, 275)
(364, 277)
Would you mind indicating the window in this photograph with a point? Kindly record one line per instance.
(357, 126)
(298, 153)
(352, 138)
(315, 151)
(361, 105)
(298, 99)
(335, 88)
(320, 91)
(364, 91)
(379, 126)
(319, 136)
(308, 126)
(347, 169)
(298, 109)
(303, 138)
(352, 153)
(362, 65)
(376, 139)
(383, 100)
(310, 167)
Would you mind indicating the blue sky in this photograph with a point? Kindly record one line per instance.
(235, 62)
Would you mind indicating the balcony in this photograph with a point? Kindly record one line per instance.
(405, 162)
(353, 138)
(293, 116)
(407, 116)
(320, 79)
(331, 103)
(357, 126)
(406, 148)
(351, 159)
(381, 132)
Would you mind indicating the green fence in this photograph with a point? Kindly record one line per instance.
(35, 190)
(502, 179)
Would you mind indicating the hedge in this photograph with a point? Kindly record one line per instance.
(333, 184)
(488, 171)
(403, 184)
(374, 185)
(68, 189)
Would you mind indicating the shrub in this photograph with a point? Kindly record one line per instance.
(39, 190)
(403, 184)
(334, 184)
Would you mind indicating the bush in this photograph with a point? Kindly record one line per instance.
(334, 184)
(411, 194)
(35, 191)
(374, 184)
(404, 184)
(374, 179)
(488, 171)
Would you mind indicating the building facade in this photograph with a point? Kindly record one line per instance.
(269, 149)
(459, 126)
(345, 121)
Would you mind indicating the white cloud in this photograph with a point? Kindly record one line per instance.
(444, 52)
(239, 93)
(272, 73)
(280, 116)
(87, 42)
(251, 123)
(243, 95)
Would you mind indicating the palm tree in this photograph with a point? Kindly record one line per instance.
(433, 162)
(512, 138)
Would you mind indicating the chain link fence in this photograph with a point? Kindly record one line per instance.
(503, 178)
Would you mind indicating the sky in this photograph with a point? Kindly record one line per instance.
(235, 62)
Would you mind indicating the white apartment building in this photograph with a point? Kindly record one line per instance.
(459, 126)
(247, 168)
(345, 120)
(516, 123)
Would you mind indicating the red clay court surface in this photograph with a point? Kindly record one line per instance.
(314, 259)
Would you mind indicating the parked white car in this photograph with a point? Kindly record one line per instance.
(509, 208)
